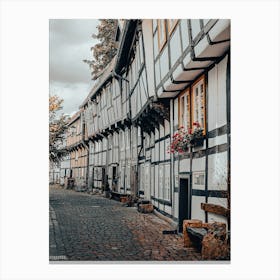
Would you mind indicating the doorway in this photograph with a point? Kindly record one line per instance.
(114, 179)
(103, 178)
(184, 202)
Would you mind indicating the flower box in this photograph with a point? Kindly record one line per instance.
(184, 139)
(197, 142)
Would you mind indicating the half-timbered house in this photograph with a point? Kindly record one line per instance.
(166, 74)
(78, 150)
(64, 164)
(192, 72)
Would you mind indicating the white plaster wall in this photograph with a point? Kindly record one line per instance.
(104, 158)
(218, 201)
(222, 95)
(175, 111)
(198, 164)
(157, 151)
(147, 181)
(176, 205)
(195, 24)
(161, 150)
(161, 131)
(175, 46)
(153, 154)
(218, 140)
(176, 174)
(156, 180)
(166, 127)
(147, 25)
(167, 144)
(157, 72)
(184, 165)
(160, 180)
(164, 67)
(185, 33)
(197, 212)
(156, 134)
(217, 171)
(214, 217)
(217, 95)
(152, 180)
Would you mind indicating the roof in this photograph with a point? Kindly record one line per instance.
(119, 61)
(75, 117)
(102, 79)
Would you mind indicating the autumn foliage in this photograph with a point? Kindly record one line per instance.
(105, 50)
(57, 127)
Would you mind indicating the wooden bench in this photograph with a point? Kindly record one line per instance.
(210, 238)
(196, 235)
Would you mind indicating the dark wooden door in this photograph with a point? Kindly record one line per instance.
(184, 202)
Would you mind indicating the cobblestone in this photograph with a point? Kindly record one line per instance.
(94, 228)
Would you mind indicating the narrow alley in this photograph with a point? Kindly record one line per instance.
(93, 228)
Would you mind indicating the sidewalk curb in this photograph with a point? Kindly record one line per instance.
(59, 245)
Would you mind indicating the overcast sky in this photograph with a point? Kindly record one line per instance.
(70, 43)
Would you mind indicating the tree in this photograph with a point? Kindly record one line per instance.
(104, 51)
(57, 128)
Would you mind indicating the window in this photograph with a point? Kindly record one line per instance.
(198, 102)
(184, 109)
(166, 191)
(171, 23)
(161, 181)
(192, 105)
(161, 33)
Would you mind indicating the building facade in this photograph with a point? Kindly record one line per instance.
(166, 74)
(78, 151)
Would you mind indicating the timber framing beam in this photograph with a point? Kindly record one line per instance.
(216, 209)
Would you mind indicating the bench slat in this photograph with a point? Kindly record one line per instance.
(197, 232)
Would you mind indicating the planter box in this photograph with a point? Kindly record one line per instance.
(197, 142)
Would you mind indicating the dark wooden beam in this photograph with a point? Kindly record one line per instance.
(216, 209)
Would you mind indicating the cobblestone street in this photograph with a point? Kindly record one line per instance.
(90, 227)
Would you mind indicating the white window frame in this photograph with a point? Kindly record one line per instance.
(198, 103)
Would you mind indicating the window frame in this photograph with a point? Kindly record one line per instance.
(189, 94)
(193, 87)
(186, 94)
